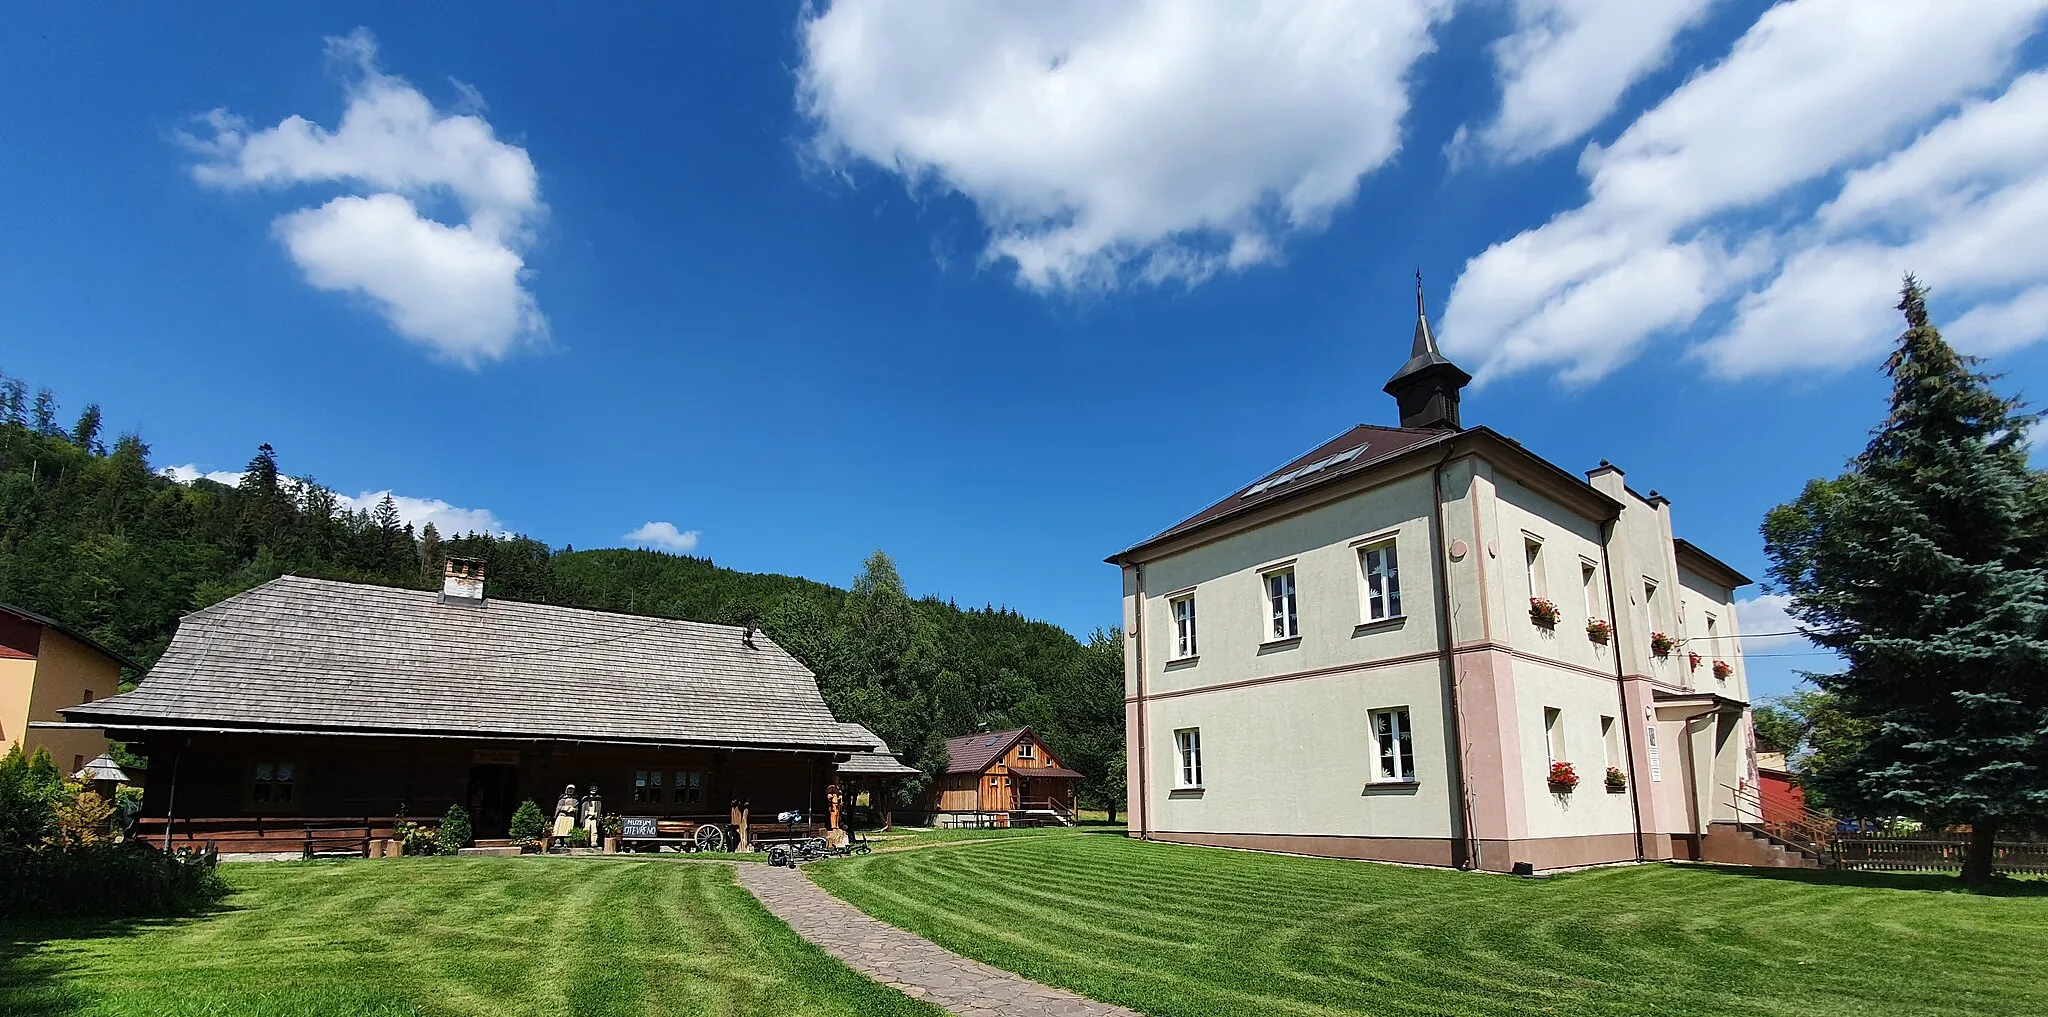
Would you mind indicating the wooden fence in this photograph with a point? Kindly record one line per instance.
(1931, 852)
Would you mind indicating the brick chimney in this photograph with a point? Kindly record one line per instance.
(462, 582)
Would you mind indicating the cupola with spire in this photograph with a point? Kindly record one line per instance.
(1427, 386)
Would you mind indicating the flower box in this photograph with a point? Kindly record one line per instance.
(1692, 661)
(1599, 631)
(1562, 778)
(1617, 781)
(1543, 613)
(1722, 669)
(1662, 645)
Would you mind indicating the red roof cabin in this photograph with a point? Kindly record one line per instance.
(1002, 778)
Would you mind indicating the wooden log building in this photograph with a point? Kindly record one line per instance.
(307, 704)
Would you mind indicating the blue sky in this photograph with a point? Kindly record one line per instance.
(1003, 291)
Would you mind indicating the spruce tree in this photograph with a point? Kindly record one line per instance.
(86, 433)
(1923, 566)
(43, 417)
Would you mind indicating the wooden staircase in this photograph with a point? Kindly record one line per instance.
(1040, 812)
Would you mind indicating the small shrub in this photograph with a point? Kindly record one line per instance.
(527, 824)
(615, 826)
(455, 830)
(579, 837)
(416, 838)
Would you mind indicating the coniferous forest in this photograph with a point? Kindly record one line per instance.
(92, 535)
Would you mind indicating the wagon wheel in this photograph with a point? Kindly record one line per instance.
(710, 838)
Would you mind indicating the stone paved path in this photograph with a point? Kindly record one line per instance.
(915, 965)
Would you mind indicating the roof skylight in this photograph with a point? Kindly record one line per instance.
(1299, 472)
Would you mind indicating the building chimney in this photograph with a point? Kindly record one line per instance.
(462, 582)
(1427, 386)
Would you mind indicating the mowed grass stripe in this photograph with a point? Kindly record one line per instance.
(1190, 931)
(460, 937)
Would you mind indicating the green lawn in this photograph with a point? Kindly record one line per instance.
(1185, 931)
(492, 937)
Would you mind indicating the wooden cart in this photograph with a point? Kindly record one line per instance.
(685, 833)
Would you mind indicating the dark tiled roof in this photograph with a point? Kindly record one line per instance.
(28, 615)
(972, 753)
(1376, 444)
(311, 654)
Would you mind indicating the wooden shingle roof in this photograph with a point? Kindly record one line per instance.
(880, 762)
(319, 655)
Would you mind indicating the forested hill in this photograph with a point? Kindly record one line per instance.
(92, 535)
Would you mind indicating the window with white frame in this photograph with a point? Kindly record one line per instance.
(1188, 742)
(1280, 605)
(1553, 732)
(1381, 567)
(1589, 581)
(689, 788)
(1184, 645)
(1532, 557)
(271, 783)
(1026, 749)
(1395, 743)
(1650, 601)
(1610, 739)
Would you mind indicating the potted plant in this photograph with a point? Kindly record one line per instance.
(1722, 669)
(1662, 645)
(1599, 631)
(1563, 779)
(579, 837)
(1543, 613)
(1692, 661)
(614, 829)
(1617, 781)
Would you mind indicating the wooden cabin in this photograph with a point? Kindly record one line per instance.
(1003, 778)
(306, 706)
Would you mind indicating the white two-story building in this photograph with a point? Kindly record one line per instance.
(1384, 648)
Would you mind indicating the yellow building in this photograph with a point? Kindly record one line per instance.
(44, 667)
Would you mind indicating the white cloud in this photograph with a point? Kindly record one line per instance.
(190, 472)
(664, 535)
(1813, 88)
(1150, 140)
(1567, 64)
(459, 290)
(1768, 613)
(449, 520)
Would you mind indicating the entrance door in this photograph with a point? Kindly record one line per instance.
(1024, 793)
(493, 795)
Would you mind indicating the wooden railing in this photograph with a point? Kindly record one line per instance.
(1052, 805)
(1810, 831)
(308, 835)
(1846, 846)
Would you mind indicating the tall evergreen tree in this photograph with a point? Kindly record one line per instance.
(86, 433)
(43, 416)
(1923, 566)
(430, 554)
(14, 402)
